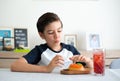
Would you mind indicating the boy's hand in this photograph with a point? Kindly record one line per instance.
(81, 58)
(57, 61)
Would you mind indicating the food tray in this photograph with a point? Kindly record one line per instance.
(71, 72)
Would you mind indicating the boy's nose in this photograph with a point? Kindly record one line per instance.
(56, 35)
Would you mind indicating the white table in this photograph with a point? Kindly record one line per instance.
(7, 75)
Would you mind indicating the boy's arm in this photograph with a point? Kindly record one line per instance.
(21, 65)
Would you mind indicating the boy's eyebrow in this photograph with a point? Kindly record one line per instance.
(52, 30)
(60, 28)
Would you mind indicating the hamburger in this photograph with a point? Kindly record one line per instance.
(77, 67)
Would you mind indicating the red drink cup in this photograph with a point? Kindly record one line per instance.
(99, 61)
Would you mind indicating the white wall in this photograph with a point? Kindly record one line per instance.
(78, 16)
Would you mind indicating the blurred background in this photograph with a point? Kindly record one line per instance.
(78, 17)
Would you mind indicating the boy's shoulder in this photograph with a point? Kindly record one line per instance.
(67, 46)
(41, 47)
(70, 48)
(44, 46)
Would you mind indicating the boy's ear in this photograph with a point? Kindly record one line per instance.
(41, 35)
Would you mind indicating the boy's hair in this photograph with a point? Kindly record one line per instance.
(46, 19)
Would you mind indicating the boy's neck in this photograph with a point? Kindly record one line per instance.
(56, 47)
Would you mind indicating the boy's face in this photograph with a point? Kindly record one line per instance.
(52, 33)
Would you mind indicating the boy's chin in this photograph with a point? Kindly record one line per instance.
(57, 42)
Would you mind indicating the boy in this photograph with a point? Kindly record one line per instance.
(45, 57)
